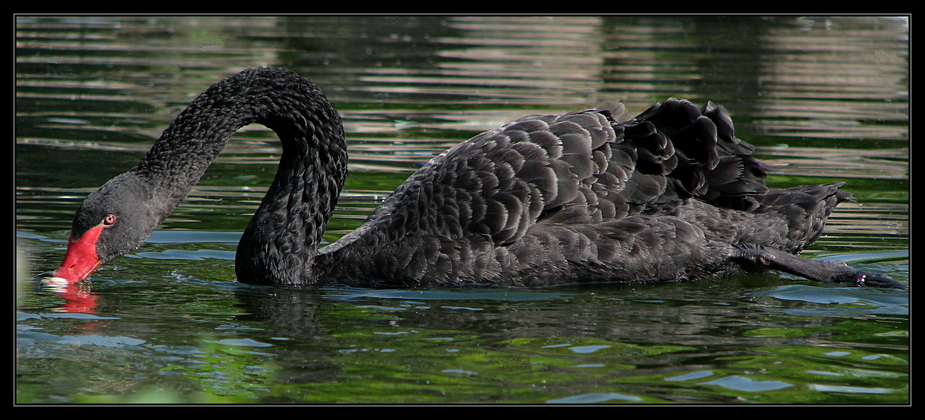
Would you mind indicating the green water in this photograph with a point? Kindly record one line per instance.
(823, 99)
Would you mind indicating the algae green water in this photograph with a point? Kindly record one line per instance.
(822, 98)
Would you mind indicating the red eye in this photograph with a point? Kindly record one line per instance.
(109, 220)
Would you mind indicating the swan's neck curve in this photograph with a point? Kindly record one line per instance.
(279, 243)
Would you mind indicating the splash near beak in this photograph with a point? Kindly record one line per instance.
(81, 259)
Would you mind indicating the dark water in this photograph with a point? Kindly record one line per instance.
(823, 99)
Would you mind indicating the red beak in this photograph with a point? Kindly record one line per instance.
(81, 259)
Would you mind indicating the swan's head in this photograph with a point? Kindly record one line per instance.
(113, 220)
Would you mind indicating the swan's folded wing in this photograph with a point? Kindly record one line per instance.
(582, 167)
(502, 182)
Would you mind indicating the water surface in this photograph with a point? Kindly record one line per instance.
(823, 99)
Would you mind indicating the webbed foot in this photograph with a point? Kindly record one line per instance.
(865, 279)
(824, 271)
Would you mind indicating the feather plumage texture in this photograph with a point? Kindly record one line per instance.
(581, 197)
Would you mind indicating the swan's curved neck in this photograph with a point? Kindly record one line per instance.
(281, 239)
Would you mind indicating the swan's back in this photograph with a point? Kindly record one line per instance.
(582, 196)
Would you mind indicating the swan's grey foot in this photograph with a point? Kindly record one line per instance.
(863, 278)
(822, 271)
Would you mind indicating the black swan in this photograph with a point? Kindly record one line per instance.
(581, 197)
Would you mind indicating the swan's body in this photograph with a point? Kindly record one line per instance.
(553, 199)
